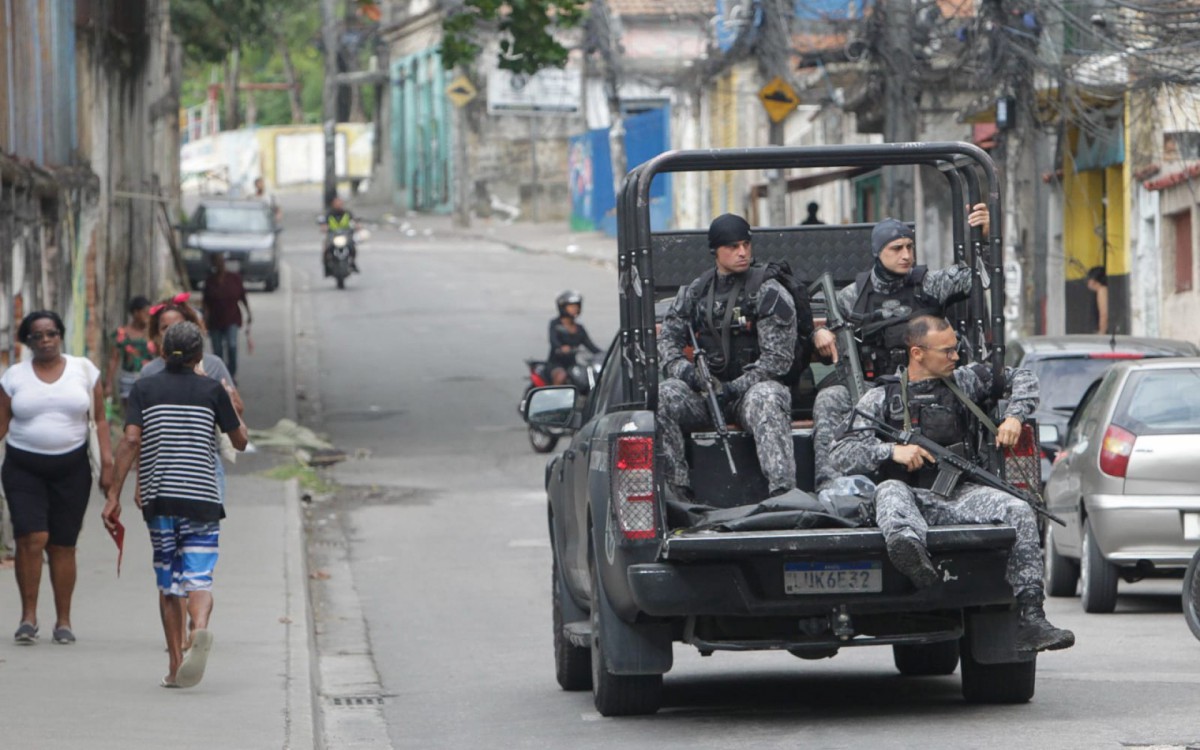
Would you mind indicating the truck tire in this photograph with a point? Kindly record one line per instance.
(1062, 573)
(1099, 576)
(1191, 595)
(617, 695)
(926, 659)
(572, 664)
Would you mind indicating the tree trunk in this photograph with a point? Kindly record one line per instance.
(289, 72)
(329, 27)
(232, 76)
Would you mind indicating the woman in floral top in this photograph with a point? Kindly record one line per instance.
(131, 348)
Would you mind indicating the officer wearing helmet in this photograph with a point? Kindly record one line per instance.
(567, 334)
(746, 324)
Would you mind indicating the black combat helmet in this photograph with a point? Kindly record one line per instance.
(569, 297)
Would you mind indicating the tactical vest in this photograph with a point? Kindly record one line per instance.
(884, 317)
(726, 322)
(935, 413)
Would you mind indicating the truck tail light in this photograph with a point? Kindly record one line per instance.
(1023, 462)
(1115, 450)
(633, 486)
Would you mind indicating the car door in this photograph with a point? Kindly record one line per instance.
(1079, 453)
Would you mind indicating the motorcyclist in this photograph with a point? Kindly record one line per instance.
(338, 219)
(567, 334)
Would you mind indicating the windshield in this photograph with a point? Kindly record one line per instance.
(250, 219)
(1161, 402)
(1063, 381)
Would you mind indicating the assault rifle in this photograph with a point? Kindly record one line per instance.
(952, 467)
(710, 397)
(849, 366)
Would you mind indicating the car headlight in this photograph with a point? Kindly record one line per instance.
(193, 253)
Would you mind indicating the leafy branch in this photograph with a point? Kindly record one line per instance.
(526, 30)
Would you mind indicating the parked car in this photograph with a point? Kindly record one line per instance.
(1067, 365)
(244, 230)
(1127, 482)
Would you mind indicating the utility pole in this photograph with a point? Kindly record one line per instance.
(900, 112)
(329, 37)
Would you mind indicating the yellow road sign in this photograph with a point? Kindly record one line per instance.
(461, 91)
(779, 99)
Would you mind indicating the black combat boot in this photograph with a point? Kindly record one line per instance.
(1034, 632)
(910, 558)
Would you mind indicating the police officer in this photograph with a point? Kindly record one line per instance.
(885, 298)
(567, 334)
(746, 324)
(932, 396)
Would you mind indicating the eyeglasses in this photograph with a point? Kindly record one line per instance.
(43, 335)
(947, 351)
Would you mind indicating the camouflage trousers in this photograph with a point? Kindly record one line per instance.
(901, 510)
(830, 411)
(764, 411)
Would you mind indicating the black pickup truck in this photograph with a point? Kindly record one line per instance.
(627, 586)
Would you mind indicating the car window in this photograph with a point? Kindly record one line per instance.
(1091, 407)
(1063, 380)
(609, 386)
(229, 219)
(1160, 402)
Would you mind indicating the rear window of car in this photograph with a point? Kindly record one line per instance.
(1063, 380)
(1160, 402)
(227, 219)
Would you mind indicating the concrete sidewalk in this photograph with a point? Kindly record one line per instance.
(103, 692)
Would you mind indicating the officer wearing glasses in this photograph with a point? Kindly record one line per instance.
(938, 399)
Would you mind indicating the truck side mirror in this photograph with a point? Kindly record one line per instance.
(553, 406)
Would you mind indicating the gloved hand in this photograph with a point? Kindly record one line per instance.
(726, 394)
(690, 377)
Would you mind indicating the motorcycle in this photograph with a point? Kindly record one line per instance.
(583, 375)
(340, 243)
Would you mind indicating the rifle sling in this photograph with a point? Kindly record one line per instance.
(724, 329)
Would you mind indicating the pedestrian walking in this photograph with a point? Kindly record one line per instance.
(170, 427)
(47, 475)
(131, 347)
(224, 298)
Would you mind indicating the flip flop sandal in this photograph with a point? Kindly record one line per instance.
(64, 636)
(167, 683)
(26, 634)
(195, 660)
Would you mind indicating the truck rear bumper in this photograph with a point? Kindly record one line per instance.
(742, 574)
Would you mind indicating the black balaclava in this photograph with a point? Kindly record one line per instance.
(727, 229)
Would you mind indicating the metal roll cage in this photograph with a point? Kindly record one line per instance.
(968, 169)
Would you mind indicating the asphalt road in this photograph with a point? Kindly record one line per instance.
(420, 368)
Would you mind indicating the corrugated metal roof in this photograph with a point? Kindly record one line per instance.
(663, 8)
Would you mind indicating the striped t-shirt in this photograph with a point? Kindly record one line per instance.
(179, 413)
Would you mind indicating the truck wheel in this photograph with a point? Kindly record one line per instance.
(617, 695)
(1191, 595)
(926, 659)
(1012, 682)
(572, 664)
(542, 442)
(1062, 573)
(1099, 576)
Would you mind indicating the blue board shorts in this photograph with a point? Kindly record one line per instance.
(185, 553)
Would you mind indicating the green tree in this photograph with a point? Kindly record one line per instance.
(525, 28)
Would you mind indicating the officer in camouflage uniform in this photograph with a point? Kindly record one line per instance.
(885, 298)
(922, 398)
(746, 324)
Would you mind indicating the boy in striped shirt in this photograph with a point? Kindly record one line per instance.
(171, 424)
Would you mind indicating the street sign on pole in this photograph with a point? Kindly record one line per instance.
(779, 99)
(460, 91)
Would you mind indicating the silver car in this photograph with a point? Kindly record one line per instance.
(1127, 482)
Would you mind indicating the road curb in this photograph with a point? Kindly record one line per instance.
(521, 247)
(303, 730)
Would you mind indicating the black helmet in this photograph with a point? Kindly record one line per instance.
(569, 297)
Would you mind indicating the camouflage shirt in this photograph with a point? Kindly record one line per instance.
(861, 451)
(941, 285)
(776, 326)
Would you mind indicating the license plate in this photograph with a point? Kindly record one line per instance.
(832, 578)
(233, 265)
(1191, 527)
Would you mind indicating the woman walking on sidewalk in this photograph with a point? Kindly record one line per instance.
(170, 425)
(47, 475)
(131, 348)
